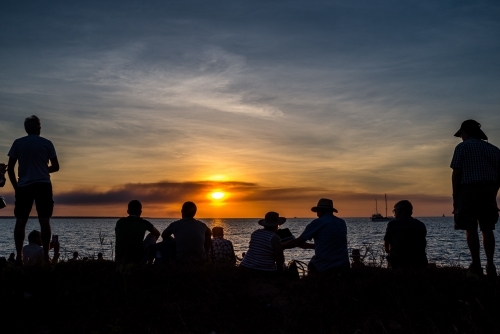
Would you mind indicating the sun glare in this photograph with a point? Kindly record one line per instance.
(217, 195)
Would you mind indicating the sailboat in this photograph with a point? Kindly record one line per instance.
(377, 217)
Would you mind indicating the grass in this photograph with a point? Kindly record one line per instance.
(99, 297)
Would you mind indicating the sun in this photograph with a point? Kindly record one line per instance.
(217, 195)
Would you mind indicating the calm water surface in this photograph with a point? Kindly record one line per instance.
(445, 246)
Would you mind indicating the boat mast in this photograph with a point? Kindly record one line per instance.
(376, 206)
(385, 205)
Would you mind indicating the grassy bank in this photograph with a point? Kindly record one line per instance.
(96, 297)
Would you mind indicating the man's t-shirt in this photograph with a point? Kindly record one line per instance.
(189, 235)
(478, 160)
(407, 239)
(33, 153)
(330, 240)
(32, 254)
(129, 234)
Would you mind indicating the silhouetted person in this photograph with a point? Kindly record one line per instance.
(129, 232)
(356, 259)
(265, 252)
(192, 237)
(476, 179)
(75, 256)
(33, 252)
(330, 240)
(12, 257)
(99, 257)
(3, 169)
(33, 153)
(222, 250)
(405, 238)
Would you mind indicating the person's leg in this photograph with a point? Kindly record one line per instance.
(46, 232)
(19, 234)
(44, 207)
(473, 243)
(489, 245)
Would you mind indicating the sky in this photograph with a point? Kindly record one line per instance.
(274, 104)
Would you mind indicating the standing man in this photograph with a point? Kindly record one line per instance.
(192, 237)
(33, 153)
(476, 179)
(330, 240)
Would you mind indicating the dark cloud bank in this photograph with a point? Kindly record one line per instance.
(167, 192)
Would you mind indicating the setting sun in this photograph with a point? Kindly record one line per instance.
(217, 195)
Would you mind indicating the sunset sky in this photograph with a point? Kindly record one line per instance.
(275, 104)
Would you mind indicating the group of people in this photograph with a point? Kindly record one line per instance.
(475, 183)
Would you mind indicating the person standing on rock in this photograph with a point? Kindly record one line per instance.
(33, 154)
(475, 180)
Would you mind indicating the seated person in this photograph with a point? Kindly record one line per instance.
(99, 257)
(222, 250)
(33, 252)
(405, 238)
(192, 237)
(12, 257)
(265, 254)
(356, 259)
(75, 256)
(129, 232)
(330, 240)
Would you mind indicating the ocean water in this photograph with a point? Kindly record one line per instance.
(445, 246)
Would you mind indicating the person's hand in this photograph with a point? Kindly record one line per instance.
(56, 247)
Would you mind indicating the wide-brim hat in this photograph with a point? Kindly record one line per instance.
(324, 204)
(272, 219)
(472, 128)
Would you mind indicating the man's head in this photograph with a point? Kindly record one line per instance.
(471, 129)
(218, 231)
(324, 206)
(75, 255)
(403, 209)
(188, 210)
(32, 125)
(35, 237)
(134, 208)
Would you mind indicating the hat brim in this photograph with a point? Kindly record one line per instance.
(281, 221)
(316, 208)
(479, 134)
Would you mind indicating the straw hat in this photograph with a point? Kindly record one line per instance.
(324, 203)
(272, 219)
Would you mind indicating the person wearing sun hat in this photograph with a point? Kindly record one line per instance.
(330, 240)
(475, 181)
(265, 254)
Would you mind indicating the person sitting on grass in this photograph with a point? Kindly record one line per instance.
(99, 257)
(405, 238)
(75, 256)
(222, 250)
(33, 253)
(330, 240)
(356, 259)
(129, 232)
(192, 237)
(265, 254)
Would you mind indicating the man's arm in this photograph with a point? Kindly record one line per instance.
(387, 246)
(279, 257)
(153, 230)
(54, 165)
(456, 179)
(297, 242)
(167, 233)
(11, 171)
(208, 240)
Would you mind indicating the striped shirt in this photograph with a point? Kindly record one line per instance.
(478, 160)
(260, 254)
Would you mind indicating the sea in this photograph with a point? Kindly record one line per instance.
(89, 236)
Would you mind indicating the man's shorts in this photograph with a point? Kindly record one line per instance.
(41, 193)
(476, 204)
